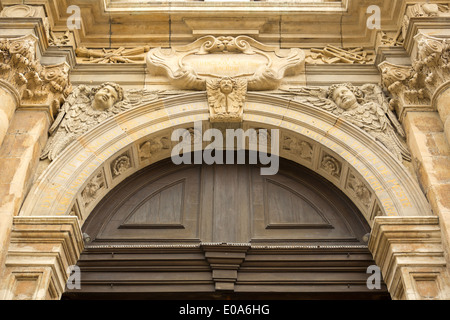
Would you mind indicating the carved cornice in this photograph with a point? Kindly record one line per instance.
(36, 85)
(414, 87)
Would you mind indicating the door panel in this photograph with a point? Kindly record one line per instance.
(226, 203)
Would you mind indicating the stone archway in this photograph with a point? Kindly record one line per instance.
(337, 150)
(341, 153)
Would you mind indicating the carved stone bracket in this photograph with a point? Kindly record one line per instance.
(414, 87)
(40, 253)
(225, 260)
(37, 85)
(409, 252)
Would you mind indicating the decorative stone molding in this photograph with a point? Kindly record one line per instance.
(190, 66)
(424, 10)
(414, 88)
(332, 54)
(298, 147)
(59, 39)
(40, 251)
(120, 55)
(37, 85)
(409, 252)
(27, 11)
(226, 98)
(152, 147)
(332, 166)
(93, 189)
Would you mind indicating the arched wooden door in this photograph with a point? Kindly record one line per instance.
(199, 231)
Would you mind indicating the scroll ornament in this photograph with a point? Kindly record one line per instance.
(212, 58)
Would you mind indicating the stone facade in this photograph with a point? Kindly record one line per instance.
(91, 96)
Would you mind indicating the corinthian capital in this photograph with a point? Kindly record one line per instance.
(433, 61)
(34, 83)
(413, 87)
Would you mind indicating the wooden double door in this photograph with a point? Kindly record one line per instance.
(226, 203)
(205, 231)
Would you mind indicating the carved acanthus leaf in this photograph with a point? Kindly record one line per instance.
(35, 83)
(416, 85)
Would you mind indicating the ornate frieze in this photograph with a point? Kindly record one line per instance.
(152, 147)
(121, 164)
(92, 190)
(35, 83)
(359, 189)
(332, 166)
(189, 67)
(298, 147)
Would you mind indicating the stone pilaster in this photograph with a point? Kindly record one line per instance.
(30, 95)
(421, 95)
(40, 253)
(410, 254)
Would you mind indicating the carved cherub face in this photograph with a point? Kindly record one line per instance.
(105, 98)
(344, 98)
(226, 86)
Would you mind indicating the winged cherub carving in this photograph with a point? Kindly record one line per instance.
(226, 99)
(365, 107)
(87, 107)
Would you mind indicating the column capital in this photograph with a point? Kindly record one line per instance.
(414, 87)
(38, 86)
